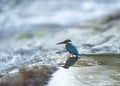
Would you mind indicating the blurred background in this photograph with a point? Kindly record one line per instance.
(21, 15)
(30, 29)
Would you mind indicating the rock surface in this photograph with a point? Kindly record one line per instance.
(36, 76)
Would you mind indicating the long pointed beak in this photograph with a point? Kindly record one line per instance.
(60, 43)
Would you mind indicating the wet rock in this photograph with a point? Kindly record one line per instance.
(35, 76)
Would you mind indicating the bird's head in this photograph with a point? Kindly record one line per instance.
(64, 42)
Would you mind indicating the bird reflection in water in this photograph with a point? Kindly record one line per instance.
(74, 54)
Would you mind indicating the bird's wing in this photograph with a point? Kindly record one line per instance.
(72, 49)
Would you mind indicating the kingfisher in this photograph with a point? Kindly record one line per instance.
(70, 48)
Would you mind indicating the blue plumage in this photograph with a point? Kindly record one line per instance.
(70, 47)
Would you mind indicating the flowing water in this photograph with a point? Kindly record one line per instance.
(95, 70)
(30, 29)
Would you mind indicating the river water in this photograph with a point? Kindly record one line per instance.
(30, 29)
(97, 71)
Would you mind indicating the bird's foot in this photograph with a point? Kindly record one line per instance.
(74, 56)
(71, 55)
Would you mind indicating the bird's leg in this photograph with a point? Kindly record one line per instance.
(74, 56)
(70, 55)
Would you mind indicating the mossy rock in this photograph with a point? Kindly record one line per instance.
(29, 35)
